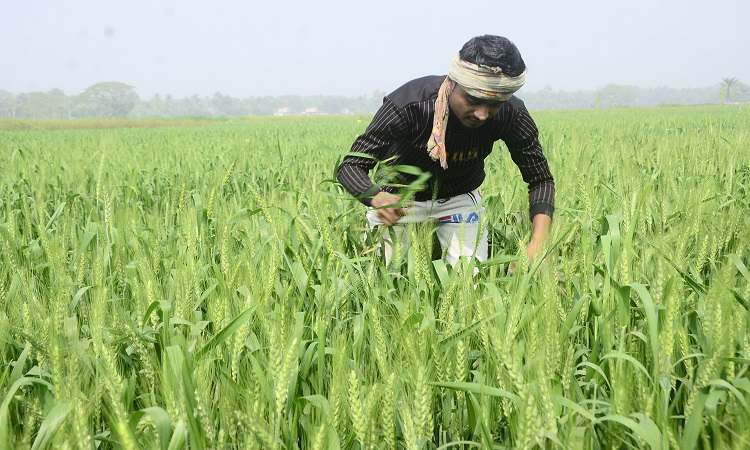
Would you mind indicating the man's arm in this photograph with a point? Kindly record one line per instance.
(526, 152)
(522, 139)
(385, 128)
(541, 224)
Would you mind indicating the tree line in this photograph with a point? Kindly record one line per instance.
(115, 99)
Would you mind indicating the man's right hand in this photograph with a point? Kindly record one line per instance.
(388, 215)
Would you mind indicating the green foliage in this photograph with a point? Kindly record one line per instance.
(109, 99)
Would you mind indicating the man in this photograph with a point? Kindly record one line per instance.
(447, 126)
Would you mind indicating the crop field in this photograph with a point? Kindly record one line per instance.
(207, 284)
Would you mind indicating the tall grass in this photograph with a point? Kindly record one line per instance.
(210, 287)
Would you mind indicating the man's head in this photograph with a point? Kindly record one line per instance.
(494, 51)
(487, 71)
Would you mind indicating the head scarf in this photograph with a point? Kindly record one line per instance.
(477, 80)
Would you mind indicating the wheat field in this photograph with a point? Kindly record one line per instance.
(207, 284)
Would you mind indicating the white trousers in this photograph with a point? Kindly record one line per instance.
(458, 225)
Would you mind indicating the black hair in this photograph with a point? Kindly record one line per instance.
(494, 51)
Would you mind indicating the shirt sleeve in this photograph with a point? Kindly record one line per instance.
(526, 152)
(368, 149)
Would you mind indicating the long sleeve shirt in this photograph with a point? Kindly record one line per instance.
(401, 128)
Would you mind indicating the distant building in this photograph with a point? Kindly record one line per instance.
(283, 112)
(312, 111)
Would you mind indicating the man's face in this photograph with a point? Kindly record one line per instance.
(472, 112)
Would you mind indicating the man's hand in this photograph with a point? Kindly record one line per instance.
(388, 215)
(541, 224)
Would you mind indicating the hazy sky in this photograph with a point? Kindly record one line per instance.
(349, 47)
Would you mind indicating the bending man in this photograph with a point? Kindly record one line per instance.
(447, 125)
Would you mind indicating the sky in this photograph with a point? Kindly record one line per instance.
(347, 47)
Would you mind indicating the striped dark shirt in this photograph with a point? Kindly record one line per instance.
(398, 135)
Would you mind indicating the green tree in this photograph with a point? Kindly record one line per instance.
(108, 99)
(6, 103)
(741, 92)
(224, 105)
(44, 105)
(728, 84)
(616, 96)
